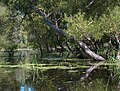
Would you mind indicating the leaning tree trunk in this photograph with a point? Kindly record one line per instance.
(118, 55)
(62, 33)
(118, 51)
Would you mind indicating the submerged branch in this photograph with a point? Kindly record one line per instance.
(62, 33)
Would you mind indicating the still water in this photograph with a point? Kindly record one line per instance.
(54, 75)
(23, 79)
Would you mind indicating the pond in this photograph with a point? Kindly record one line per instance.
(56, 74)
(54, 79)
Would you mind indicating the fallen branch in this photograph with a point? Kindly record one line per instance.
(60, 32)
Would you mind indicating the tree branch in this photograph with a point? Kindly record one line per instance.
(60, 32)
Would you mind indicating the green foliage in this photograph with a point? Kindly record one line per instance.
(10, 25)
(77, 26)
(106, 24)
(84, 18)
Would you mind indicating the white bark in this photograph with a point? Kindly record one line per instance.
(118, 52)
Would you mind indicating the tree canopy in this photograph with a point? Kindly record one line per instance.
(85, 20)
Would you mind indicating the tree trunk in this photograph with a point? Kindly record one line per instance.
(60, 32)
(118, 55)
(118, 51)
(89, 52)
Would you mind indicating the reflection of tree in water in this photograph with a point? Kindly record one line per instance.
(8, 81)
(14, 80)
(51, 80)
(62, 80)
(21, 76)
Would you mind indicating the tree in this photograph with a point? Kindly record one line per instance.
(84, 20)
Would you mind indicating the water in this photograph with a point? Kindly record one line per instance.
(55, 74)
(20, 79)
